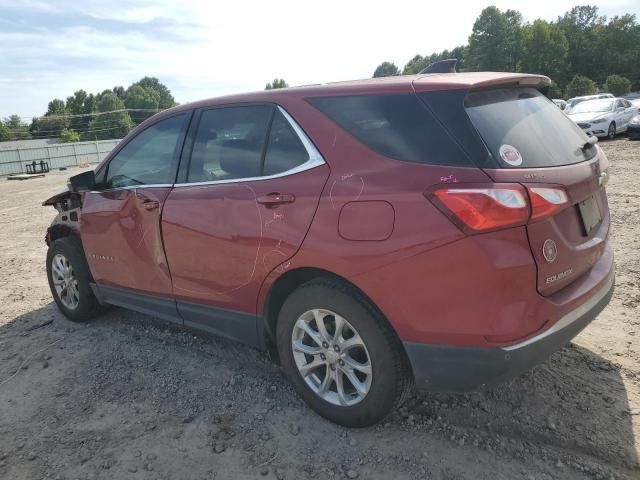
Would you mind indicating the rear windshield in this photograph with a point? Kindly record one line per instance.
(523, 129)
(396, 126)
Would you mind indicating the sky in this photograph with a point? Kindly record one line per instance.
(202, 49)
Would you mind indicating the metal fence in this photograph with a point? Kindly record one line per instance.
(56, 155)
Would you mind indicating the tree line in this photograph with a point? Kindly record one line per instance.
(582, 51)
(87, 116)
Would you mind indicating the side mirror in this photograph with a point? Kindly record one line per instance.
(83, 182)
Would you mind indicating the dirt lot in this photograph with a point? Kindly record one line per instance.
(127, 396)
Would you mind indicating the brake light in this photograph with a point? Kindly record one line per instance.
(546, 201)
(484, 209)
(476, 209)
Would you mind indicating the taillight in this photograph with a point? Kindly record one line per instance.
(546, 201)
(478, 209)
(484, 209)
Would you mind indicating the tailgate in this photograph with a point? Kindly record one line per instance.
(569, 243)
(533, 143)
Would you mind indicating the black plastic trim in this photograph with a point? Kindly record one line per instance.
(239, 326)
(243, 327)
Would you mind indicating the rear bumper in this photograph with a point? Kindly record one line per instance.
(450, 368)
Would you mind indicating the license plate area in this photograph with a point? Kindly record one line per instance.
(590, 214)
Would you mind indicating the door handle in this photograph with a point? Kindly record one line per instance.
(272, 200)
(151, 204)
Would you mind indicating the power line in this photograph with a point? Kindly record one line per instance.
(86, 132)
(154, 110)
(88, 127)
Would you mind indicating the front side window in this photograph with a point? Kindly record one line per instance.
(229, 143)
(150, 158)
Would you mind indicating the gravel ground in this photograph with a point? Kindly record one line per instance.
(128, 396)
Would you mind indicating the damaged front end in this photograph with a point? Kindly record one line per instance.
(68, 204)
(67, 222)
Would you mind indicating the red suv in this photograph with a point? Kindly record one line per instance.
(444, 230)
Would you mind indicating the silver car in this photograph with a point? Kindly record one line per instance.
(604, 117)
(572, 102)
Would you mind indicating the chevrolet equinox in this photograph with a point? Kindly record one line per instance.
(444, 231)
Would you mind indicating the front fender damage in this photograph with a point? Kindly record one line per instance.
(67, 222)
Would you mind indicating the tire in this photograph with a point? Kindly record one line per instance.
(390, 379)
(76, 300)
(611, 133)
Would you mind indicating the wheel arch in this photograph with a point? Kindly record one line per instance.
(289, 281)
(60, 230)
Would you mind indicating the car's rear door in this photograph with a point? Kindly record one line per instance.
(249, 193)
(121, 219)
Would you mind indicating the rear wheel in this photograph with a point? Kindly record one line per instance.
(611, 133)
(342, 357)
(69, 279)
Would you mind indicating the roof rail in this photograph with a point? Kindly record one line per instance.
(441, 66)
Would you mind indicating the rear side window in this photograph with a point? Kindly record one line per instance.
(523, 129)
(396, 126)
(229, 143)
(285, 151)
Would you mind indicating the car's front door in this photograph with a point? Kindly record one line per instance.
(253, 184)
(120, 228)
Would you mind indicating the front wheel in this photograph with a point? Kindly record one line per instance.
(69, 279)
(611, 133)
(341, 355)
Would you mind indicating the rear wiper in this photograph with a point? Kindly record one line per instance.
(591, 141)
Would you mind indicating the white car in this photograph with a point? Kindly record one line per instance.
(604, 117)
(561, 104)
(572, 102)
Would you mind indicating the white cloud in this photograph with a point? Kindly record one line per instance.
(205, 48)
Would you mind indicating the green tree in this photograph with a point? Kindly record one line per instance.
(165, 99)
(53, 122)
(544, 50)
(68, 136)
(277, 83)
(495, 40)
(414, 65)
(617, 85)
(79, 106)
(141, 98)
(18, 129)
(115, 124)
(554, 90)
(581, 85)
(386, 69)
(582, 26)
(5, 133)
(619, 49)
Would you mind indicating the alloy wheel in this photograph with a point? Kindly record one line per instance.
(331, 357)
(64, 281)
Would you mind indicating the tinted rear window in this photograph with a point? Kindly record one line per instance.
(523, 129)
(396, 126)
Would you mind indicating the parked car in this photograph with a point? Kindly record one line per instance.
(634, 128)
(445, 231)
(603, 118)
(635, 102)
(561, 104)
(572, 102)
